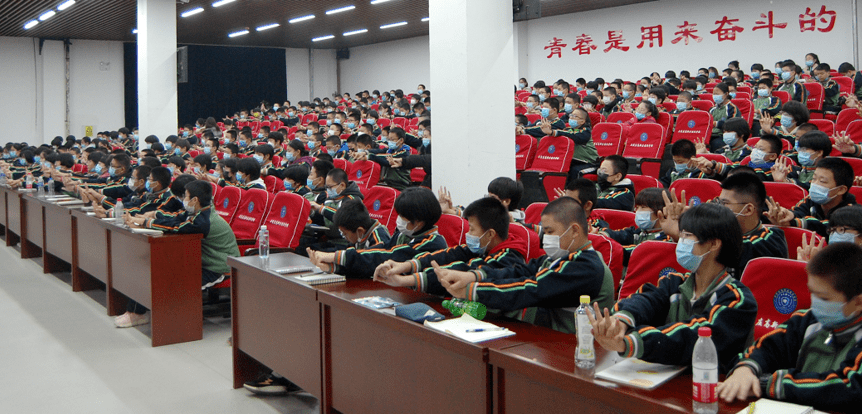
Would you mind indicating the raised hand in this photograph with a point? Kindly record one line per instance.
(809, 248)
(844, 144)
(608, 331)
(766, 123)
(777, 214)
(780, 170)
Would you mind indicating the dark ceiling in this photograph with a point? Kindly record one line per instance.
(115, 19)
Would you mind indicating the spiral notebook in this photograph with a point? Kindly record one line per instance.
(640, 374)
(318, 279)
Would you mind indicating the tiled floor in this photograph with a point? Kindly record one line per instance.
(60, 352)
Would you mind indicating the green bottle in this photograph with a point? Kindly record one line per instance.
(459, 307)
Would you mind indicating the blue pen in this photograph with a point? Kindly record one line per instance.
(488, 329)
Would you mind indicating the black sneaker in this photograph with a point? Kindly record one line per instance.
(271, 385)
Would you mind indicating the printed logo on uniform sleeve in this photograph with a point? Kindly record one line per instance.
(784, 301)
(250, 207)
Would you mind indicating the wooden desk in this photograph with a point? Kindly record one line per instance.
(540, 377)
(57, 238)
(13, 217)
(276, 323)
(163, 273)
(90, 239)
(3, 220)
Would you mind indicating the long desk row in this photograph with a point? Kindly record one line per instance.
(161, 272)
(359, 360)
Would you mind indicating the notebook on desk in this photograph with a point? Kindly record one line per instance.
(469, 329)
(640, 374)
(318, 279)
(768, 406)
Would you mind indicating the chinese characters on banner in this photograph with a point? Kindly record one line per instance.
(725, 30)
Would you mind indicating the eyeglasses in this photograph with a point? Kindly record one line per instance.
(725, 202)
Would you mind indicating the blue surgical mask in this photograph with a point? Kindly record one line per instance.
(13, 153)
(259, 135)
(331, 152)
(529, 105)
(829, 313)
(573, 122)
(208, 150)
(590, 91)
(185, 133)
(546, 112)
(112, 171)
(804, 158)
(522, 85)
(309, 182)
(291, 114)
(331, 193)
(680, 167)
(239, 178)
(309, 132)
(763, 92)
(290, 157)
(392, 145)
(755, 75)
(371, 121)
(311, 145)
(259, 158)
(640, 115)
(786, 121)
(351, 125)
(682, 106)
(98, 169)
(37, 159)
(177, 151)
(786, 75)
(638, 94)
(242, 143)
(568, 107)
(626, 94)
(712, 75)
(426, 142)
(836, 237)
(542, 97)
(226, 156)
(168, 145)
(685, 257)
(474, 243)
(147, 186)
(338, 120)
(809, 63)
(732, 95)
(652, 100)
(820, 194)
(171, 169)
(758, 156)
(718, 98)
(729, 138)
(644, 220)
(559, 93)
(288, 185)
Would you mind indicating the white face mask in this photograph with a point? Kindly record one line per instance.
(551, 245)
(401, 225)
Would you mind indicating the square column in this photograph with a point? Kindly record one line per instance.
(157, 68)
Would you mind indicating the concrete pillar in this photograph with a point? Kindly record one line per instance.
(157, 68)
(472, 61)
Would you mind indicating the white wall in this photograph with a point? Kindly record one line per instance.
(18, 103)
(324, 73)
(750, 47)
(372, 66)
(298, 87)
(96, 96)
(52, 69)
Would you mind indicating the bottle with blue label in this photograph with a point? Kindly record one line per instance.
(263, 246)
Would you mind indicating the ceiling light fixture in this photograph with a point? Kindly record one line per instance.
(355, 32)
(47, 15)
(318, 39)
(378, 1)
(222, 2)
(135, 31)
(425, 19)
(342, 9)
(269, 26)
(391, 25)
(65, 5)
(192, 12)
(31, 23)
(239, 33)
(301, 19)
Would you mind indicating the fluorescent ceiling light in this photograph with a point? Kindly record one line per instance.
(47, 15)
(135, 31)
(300, 19)
(30, 24)
(378, 1)
(192, 12)
(222, 2)
(342, 9)
(355, 32)
(65, 5)
(269, 26)
(318, 39)
(425, 19)
(240, 33)
(391, 25)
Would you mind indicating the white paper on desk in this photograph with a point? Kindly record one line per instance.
(768, 406)
(146, 231)
(458, 327)
(91, 213)
(640, 374)
(70, 202)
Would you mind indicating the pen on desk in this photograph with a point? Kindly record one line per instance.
(751, 407)
(488, 329)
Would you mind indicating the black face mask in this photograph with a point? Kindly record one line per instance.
(603, 180)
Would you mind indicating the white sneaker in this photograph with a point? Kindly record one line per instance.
(130, 319)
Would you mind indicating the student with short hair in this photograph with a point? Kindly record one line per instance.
(790, 84)
(683, 153)
(358, 227)
(721, 112)
(248, 174)
(317, 180)
(548, 286)
(338, 190)
(845, 225)
(263, 154)
(792, 115)
(659, 323)
(418, 213)
(614, 190)
(579, 130)
(489, 244)
(847, 69)
(296, 179)
(765, 104)
(550, 115)
(829, 190)
(395, 177)
(648, 203)
(735, 137)
(137, 185)
(763, 157)
(813, 147)
(585, 193)
(813, 357)
(198, 216)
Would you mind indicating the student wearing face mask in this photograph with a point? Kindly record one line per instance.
(790, 83)
(550, 116)
(393, 176)
(489, 245)
(533, 104)
(763, 158)
(832, 100)
(579, 130)
(358, 227)
(847, 69)
(589, 103)
(248, 174)
(793, 114)
(523, 85)
(735, 136)
(813, 147)
(615, 191)
(296, 154)
(811, 358)
(199, 217)
(828, 191)
(543, 291)
(628, 95)
(845, 226)
(418, 212)
(137, 184)
(570, 103)
(765, 104)
(263, 154)
(648, 203)
(754, 74)
(660, 322)
(421, 160)
(338, 190)
(683, 103)
(158, 195)
(721, 112)
(611, 101)
(683, 153)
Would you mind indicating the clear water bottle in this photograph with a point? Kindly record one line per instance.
(118, 211)
(585, 357)
(28, 181)
(2, 179)
(263, 246)
(460, 307)
(40, 189)
(704, 368)
(51, 187)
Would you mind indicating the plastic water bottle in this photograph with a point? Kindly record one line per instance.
(704, 368)
(28, 181)
(2, 179)
(40, 189)
(460, 307)
(118, 211)
(51, 187)
(585, 357)
(263, 246)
